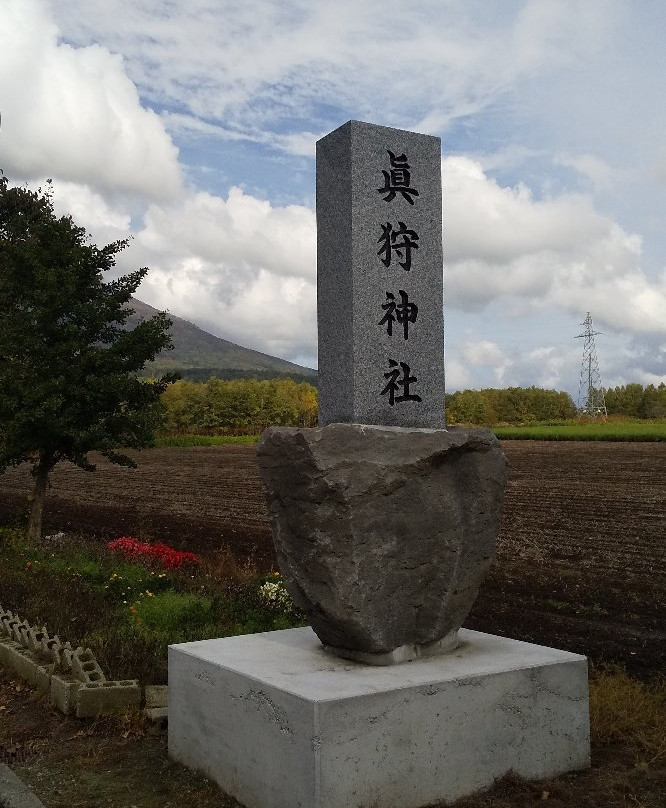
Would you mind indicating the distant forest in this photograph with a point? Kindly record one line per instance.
(248, 406)
(238, 406)
(525, 405)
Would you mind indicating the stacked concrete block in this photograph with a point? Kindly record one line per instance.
(64, 692)
(34, 638)
(15, 647)
(157, 703)
(85, 667)
(71, 676)
(20, 632)
(7, 621)
(101, 698)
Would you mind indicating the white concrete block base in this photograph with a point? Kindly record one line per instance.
(279, 723)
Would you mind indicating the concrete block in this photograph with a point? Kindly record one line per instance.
(53, 648)
(102, 698)
(34, 637)
(24, 665)
(44, 643)
(7, 619)
(156, 696)
(62, 655)
(64, 690)
(85, 666)
(279, 723)
(157, 714)
(43, 675)
(5, 645)
(20, 631)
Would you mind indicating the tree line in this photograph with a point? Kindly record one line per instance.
(513, 405)
(637, 401)
(524, 405)
(248, 406)
(243, 406)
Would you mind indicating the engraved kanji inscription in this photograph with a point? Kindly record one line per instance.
(397, 180)
(399, 377)
(402, 312)
(401, 241)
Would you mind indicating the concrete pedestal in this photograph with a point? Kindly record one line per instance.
(279, 723)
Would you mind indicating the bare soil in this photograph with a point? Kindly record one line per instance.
(580, 566)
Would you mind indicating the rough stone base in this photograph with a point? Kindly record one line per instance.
(405, 653)
(279, 723)
(383, 534)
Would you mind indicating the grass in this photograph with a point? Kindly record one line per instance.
(184, 441)
(129, 612)
(611, 430)
(625, 711)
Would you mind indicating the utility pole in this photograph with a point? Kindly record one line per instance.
(590, 392)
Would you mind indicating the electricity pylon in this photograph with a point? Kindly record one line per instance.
(590, 392)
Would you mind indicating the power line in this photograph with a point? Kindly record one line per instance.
(591, 400)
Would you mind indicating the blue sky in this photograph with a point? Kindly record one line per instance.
(191, 126)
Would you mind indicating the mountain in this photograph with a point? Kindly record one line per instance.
(198, 355)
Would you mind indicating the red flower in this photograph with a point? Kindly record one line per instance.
(135, 550)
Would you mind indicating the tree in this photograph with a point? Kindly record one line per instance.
(68, 366)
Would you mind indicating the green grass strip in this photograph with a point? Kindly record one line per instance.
(184, 441)
(649, 431)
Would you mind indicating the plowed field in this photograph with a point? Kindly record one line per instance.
(581, 557)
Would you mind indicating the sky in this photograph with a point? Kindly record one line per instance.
(190, 125)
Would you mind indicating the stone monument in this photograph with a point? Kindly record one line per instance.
(379, 277)
(384, 523)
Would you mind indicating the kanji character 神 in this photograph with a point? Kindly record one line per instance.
(403, 313)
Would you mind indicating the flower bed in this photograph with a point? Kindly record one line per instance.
(129, 599)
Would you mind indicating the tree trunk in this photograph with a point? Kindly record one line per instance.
(41, 474)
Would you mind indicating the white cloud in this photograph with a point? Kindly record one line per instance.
(548, 366)
(250, 66)
(241, 233)
(486, 354)
(601, 175)
(103, 221)
(483, 352)
(241, 266)
(73, 113)
(502, 243)
(458, 376)
(532, 88)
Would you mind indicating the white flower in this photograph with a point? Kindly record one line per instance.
(276, 597)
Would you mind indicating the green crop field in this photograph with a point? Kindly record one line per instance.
(593, 430)
(176, 441)
(654, 430)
